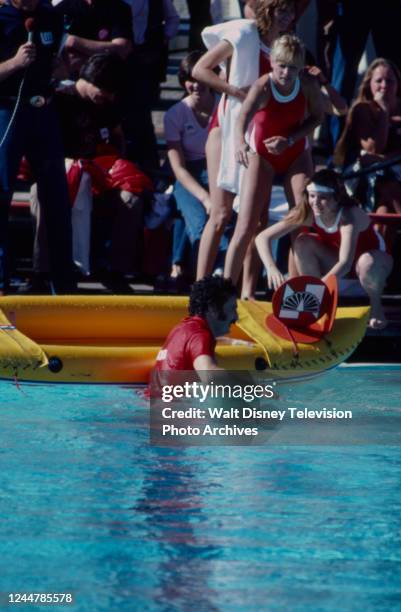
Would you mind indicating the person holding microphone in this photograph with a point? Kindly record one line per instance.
(30, 35)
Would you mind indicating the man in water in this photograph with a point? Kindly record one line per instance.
(191, 344)
(189, 355)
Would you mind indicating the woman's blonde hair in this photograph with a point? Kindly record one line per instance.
(364, 95)
(289, 49)
(325, 178)
(264, 13)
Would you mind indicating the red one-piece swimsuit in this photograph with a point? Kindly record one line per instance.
(281, 116)
(368, 240)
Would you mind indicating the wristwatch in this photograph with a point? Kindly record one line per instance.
(290, 141)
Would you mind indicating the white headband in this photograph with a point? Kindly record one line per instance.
(319, 188)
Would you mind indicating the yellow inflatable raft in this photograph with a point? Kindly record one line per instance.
(109, 339)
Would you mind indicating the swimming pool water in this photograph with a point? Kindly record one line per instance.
(88, 507)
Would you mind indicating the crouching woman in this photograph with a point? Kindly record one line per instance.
(338, 238)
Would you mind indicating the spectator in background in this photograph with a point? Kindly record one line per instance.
(90, 108)
(94, 26)
(326, 32)
(155, 23)
(333, 103)
(216, 11)
(249, 8)
(353, 21)
(199, 18)
(29, 125)
(186, 129)
(91, 124)
(373, 134)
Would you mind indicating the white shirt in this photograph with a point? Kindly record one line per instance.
(181, 125)
(140, 13)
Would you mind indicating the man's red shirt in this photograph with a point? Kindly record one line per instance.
(186, 341)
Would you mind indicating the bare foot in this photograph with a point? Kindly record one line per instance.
(377, 316)
(377, 323)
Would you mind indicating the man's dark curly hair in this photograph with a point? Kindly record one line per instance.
(211, 291)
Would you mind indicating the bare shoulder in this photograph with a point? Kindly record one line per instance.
(263, 81)
(264, 87)
(261, 89)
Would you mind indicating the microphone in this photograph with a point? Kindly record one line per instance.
(30, 27)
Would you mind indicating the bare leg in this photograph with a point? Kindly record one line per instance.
(252, 262)
(250, 271)
(220, 215)
(255, 194)
(312, 257)
(293, 270)
(373, 269)
(295, 181)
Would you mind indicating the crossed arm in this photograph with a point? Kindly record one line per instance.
(85, 46)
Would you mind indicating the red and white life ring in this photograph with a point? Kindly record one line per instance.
(303, 309)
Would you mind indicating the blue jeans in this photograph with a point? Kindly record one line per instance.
(194, 212)
(180, 241)
(35, 132)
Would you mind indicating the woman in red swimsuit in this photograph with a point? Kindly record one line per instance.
(232, 45)
(343, 240)
(285, 106)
